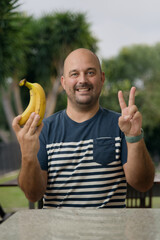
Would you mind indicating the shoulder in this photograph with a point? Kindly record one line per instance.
(108, 119)
(53, 122)
(109, 113)
(51, 126)
(53, 118)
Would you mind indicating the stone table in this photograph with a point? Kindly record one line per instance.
(88, 224)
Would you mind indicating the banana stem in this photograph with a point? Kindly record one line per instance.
(27, 84)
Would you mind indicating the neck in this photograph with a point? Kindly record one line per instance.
(80, 115)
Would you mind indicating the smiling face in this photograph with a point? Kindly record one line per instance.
(82, 79)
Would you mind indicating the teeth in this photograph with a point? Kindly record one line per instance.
(83, 89)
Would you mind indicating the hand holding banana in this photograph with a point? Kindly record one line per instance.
(31, 118)
(37, 102)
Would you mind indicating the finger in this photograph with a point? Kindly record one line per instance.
(138, 115)
(132, 96)
(132, 110)
(29, 122)
(124, 124)
(33, 126)
(121, 100)
(15, 123)
(138, 118)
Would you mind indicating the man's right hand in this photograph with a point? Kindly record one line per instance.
(28, 135)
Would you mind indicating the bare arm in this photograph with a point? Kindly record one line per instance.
(139, 169)
(32, 180)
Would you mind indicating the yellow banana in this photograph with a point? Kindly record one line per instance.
(37, 102)
(40, 102)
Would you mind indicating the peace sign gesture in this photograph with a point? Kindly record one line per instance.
(130, 121)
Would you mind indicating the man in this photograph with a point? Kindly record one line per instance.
(84, 160)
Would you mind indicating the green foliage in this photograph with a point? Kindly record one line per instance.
(132, 63)
(12, 41)
(53, 36)
(109, 96)
(137, 65)
(35, 49)
(3, 123)
(61, 102)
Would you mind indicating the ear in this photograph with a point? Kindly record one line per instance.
(63, 82)
(103, 78)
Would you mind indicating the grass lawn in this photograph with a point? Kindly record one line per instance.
(156, 202)
(12, 198)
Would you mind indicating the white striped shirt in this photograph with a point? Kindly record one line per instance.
(87, 170)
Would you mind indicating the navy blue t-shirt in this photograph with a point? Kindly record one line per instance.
(84, 161)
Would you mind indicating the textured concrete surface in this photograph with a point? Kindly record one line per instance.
(68, 224)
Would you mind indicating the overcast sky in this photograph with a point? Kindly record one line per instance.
(116, 23)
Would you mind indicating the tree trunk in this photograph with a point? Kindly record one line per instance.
(52, 98)
(17, 97)
(4, 136)
(6, 102)
(53, 94)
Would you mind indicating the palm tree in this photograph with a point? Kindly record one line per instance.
(12, 56)
(36, 49)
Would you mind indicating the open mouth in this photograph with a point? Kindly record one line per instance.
(83, 89)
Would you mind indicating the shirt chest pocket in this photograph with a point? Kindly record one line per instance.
(104, 150)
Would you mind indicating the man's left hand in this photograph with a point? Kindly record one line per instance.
(130, 121)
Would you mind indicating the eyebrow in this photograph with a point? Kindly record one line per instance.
(91, 68)
(76, 70)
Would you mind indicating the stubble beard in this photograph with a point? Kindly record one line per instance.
(81, 103)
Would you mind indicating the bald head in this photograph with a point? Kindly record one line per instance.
(82, 80)
(78, 57)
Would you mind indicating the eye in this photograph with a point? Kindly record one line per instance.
(74, 74)
(91, 73)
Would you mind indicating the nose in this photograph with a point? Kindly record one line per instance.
(82, 78)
